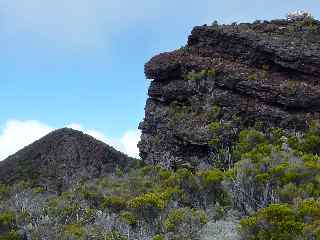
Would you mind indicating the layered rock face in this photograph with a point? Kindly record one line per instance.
(61, 159)
(239, 75)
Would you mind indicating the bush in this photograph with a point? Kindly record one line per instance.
(156, 200)
(196, 76)
(4, 191)
(185, 223)
(114, 203)
(129, 218)
(212, 177)
(278, 221)
(115, 235)
(74, 230)
(158, 237)
(175, 217)
(283, 221)
(12, 235)
(249, 140)
(7, 219)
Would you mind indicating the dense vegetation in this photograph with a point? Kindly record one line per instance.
(274, 185)
(147, 201)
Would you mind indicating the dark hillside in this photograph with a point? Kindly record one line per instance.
(62, 158)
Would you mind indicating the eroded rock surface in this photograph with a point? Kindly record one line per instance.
(237, 75)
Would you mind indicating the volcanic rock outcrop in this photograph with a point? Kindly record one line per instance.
(61, 159)
(240, 75)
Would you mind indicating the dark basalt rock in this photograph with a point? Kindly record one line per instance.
(266, 72)
(62, 158)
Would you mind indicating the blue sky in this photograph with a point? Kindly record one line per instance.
(80, 62)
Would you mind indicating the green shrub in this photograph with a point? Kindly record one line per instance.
(202, 216)
(157, 200)
(215, 112)
(253, 76)
(196, 76)
(311, 143)
(309, 209)
(129, 218)
(115, 235)
(175, 217)
(249, 140)
(184, 223)
(4, 191)
(7, 219)
(165, 174)
(39, 189)
(215, 24)
(278, 221)
(215, 127)
(158, 237)
(283, 221)
(74, 230)
(114, 203)
(119, 172)
(12, 235)
(91, 194)
(212, 177)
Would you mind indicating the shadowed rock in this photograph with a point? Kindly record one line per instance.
(266, 72)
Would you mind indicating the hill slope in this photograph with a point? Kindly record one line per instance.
(61, 158)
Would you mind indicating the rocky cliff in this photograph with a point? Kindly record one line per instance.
(226, 78)
(62, 158)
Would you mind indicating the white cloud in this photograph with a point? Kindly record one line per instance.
(18, 134)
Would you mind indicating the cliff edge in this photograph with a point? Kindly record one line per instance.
(226, 78)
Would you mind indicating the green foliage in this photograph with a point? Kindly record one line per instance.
(248, 140)
(119, 172)
(91, 194)
(215, 112)
(184, 223)
(39, 189)
(165, 174)
(253, 76)
(175, 217)
(310, 142)
(129, 218)
(202, 217)
(212, 177)
(12, 235)
(196, 76)
(215, 24)
(67, 208)
(156, 200)
(275, 165)
(215, 126)
(179, 112)
(4, 191)
(278, 221)
(115, 235)
(74, 230)
(283, 221)
(158, 237)
(114, 203)
(7, 219)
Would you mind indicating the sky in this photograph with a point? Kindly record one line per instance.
(79, 63)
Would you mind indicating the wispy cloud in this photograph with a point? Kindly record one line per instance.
(73, 23)
(18, 134)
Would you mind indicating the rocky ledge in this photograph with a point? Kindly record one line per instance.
(226, 78)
